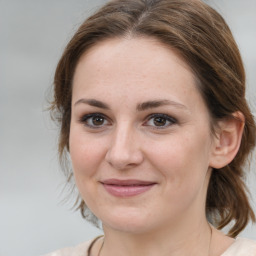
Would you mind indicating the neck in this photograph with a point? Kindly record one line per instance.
(190, 240)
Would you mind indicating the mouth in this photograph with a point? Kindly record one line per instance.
(127, 188)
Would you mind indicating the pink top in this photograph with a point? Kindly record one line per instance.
(241, 247)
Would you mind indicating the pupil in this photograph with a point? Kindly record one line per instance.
(98, 120)
(159, 121)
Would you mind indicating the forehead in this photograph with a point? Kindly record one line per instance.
(133, 49)
(136, 69)
(132, 58)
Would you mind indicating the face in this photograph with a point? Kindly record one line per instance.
(140, 140)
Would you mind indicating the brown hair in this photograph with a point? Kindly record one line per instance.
(205, 42)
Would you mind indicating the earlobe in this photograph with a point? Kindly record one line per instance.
(227, 140)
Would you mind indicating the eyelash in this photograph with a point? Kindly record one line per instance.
(86, 118)
(166, 118)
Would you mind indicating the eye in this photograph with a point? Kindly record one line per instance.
(160, 121)
(95, 120)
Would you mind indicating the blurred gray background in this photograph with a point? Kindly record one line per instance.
(33, 218)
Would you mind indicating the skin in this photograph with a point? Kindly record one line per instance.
(126, 142)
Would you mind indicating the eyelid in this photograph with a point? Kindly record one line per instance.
(168, 118)
(85, 118)
(171, 120)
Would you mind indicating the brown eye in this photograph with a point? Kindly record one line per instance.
(96, 120)
(159, 121)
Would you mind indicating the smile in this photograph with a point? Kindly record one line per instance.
(126, 188)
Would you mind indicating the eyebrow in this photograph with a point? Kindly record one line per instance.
(158, 103)
(94, 103)
(140, 107)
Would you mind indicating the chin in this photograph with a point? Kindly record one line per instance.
(128, 227)
(133, 221)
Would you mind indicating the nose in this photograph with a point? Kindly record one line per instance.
(124, 151)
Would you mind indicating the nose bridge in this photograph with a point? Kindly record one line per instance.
(122, 135)
(124, 150)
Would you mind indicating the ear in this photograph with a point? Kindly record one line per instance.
(227, 140)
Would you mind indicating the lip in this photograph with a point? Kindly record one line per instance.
(127, 188)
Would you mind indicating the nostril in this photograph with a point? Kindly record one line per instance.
(124, 150)
(123, 160)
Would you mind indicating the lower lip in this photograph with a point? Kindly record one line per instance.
(126, 191)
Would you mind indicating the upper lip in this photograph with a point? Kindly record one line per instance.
(128, 182)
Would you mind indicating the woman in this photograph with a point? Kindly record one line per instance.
(150, 95)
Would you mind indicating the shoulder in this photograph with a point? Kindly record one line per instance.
(79, 250)
(241, 247)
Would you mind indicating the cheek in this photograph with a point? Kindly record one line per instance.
(86, 157)
(184, 167)
(182, 159)
(85, 154)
